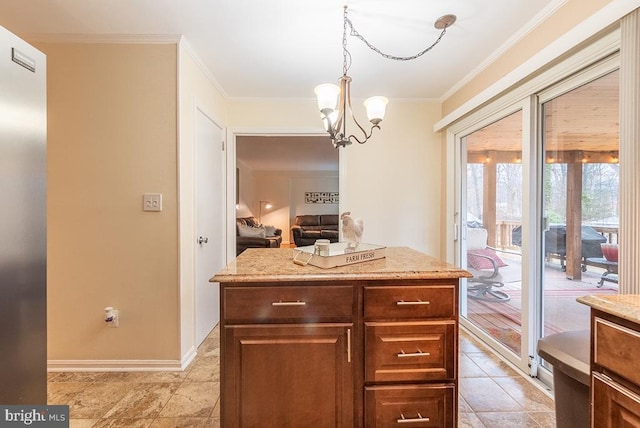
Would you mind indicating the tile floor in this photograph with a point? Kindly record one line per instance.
(186, 399)
(492, 394)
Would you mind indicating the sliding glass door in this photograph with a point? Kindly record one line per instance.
(493, 187)
(580, 196)
(538, 211)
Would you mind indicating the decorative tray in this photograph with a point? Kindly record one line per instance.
(339, 255)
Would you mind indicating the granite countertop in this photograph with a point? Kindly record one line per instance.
(276, 264)
(625, 306)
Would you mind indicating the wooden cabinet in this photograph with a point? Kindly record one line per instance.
(614, 406)
(287, 355)
(615, 380)
(369, 345)
(288, 376)
(411, 338)
(339, 354)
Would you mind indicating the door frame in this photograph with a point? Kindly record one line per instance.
(528, 248)
(187, 233)
(231, 165)
(197, 221)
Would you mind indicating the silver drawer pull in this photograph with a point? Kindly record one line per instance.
(403, 354)
(415, 302)
(404, 420)
(281, 303)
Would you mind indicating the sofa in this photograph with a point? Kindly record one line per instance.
(307, 228)
(251, 234)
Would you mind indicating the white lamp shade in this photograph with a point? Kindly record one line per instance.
(327, 95)
(376, 107)
(330, 120)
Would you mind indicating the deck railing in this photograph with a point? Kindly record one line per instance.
(609, 232)
(504, 234)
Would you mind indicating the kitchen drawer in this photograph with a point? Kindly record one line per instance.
(410, 351)
(617, 349)
(410, 405)
(613, 404)
(414, 302)
(283, 304)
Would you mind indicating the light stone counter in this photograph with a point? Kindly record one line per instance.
(625, 306)
(276, 264)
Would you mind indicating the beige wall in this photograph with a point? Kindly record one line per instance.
(112, 137)
(246, 191)
(393, 182)
(276, 115)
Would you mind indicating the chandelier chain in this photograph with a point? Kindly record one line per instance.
(346, 55)
(355, 33)
(335, 102)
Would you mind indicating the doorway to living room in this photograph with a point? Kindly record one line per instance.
(280, 177)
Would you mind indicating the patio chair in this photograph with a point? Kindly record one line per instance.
(484, 263)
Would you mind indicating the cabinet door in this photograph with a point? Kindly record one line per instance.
(287, 376)
(613, 404)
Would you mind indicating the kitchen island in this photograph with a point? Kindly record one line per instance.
(615, 347)
(370, 344)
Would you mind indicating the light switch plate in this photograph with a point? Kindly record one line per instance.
(152, 202)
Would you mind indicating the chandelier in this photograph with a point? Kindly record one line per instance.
(334, 101)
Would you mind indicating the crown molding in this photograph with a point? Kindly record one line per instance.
(103, 38)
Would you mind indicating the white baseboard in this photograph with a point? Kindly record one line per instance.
(121, 365)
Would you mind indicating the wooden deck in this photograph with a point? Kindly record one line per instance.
(502, 320)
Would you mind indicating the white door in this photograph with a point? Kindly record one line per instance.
(209, 222)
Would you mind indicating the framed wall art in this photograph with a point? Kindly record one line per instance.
(321, 197)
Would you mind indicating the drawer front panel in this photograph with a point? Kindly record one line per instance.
(283, 304)
(414, 352)
(415, 302)
(617, 348)
(410, 405)
(613, 404)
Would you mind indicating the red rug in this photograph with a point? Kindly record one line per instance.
(503, 320)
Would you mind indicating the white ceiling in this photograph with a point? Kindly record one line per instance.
(284, 48)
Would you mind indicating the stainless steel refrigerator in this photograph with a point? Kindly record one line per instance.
(23, 252)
